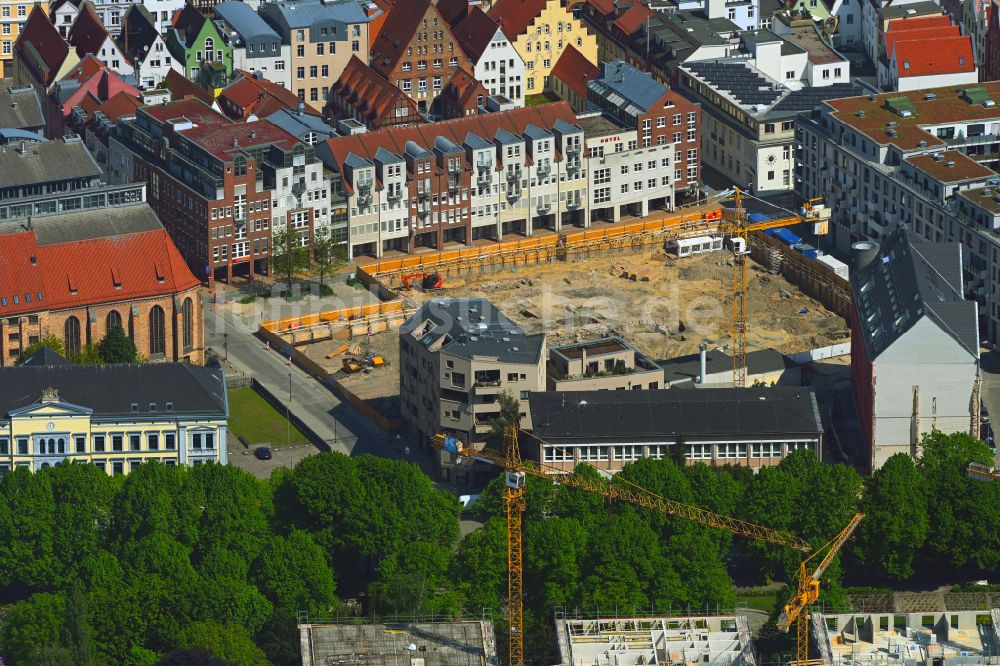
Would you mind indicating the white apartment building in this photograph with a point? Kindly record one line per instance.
(300, 191)
(482, 176)
(142, 45)
(162, 12)
(920, 160)
(744, 13)
(496, 63)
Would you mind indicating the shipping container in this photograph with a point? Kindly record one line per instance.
(686, 247)
(807, 250)
(787, 237)
(754, 218)
(839, 267)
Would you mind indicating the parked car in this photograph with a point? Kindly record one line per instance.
(262, 453)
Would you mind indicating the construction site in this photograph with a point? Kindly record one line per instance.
(677, 641)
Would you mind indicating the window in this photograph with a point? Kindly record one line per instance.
(22, 446)
(602, 195)
(196, 440)
(118, 468)
(187, 325)
(153, 441)
(209, 440)
(4, 446)
(98, 443)
(300, 51)
(169, 441)
(627, 452)
(592, 453)
(557, 454)
(116, 442)
(458, 379)
(300, 72)
(731, 14)
(157, 332)
(700, 452)
(319, 49)
(134, 442)
(79, 444)
(602, 176)
(71, 332)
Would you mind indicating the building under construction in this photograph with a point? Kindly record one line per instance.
(722, 640)
(940, 638)
(404, 644)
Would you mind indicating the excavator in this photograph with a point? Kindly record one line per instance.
(428, 281)
(516, 471)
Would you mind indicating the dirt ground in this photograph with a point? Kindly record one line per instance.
(379, 387)
(684, 302)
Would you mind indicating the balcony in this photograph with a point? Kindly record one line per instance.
(513, 193)
(394, 195)
(484, 165)
(486, 378)
(573, 150)
(454, 396)
(544, 169)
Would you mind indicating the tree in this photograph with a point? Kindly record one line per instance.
(32, 629)
(896, 523)
(287, 255)
(88, 355)
(279, 639)
(49, 340)
(116, 347)
(27, 519)
(509, 416)
(292, 572)
(229, 642)
(76, 632)
(191, 657)
(328, 254)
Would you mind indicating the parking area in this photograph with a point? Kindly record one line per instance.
(281, 456)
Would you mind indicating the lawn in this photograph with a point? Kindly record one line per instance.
(540, 98)
(759, 601)
(253, 418)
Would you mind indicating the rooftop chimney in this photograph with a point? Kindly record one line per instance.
(301, 108)
(236, 143)
(702, 363)
(863, 253)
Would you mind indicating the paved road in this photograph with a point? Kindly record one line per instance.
(990, 365)
(338, 424)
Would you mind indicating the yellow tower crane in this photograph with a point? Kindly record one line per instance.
(737, 225)
(517, 471)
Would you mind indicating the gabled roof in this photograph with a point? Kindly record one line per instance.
(453, 11)
(514, 16)
(119, 106)
(910, 279)
(928, 57)
(632, 18)
(188, 23)
(575, 70)
(628, 83)
(244, 20)
(138, 34)
(260, 96)
(88, 33)
(463, 90)
(45, 356)
(368, 92)
(305, 13)
(475, 32)
(181, 87)
(88, 257)
(397, 32)
(41, 46)
(51, 161)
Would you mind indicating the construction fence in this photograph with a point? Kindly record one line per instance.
(815, 279)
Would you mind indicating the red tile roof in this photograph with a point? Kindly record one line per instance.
(120, 105)
(136, 260)
(603, 7)
(514, 16)
(453, 11)
(475, 32)
(945, 55)
(225, 139)
(633, 18)
(260, 96)
(397, 32)
(45, 41)
(575, 70)
(920, 34)
(463, 91)
(88, 33)
(181, 88)
(191, 108)
(919, 22)
(366, 91)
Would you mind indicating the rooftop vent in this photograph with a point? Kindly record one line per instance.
(987, 192)
(949, 163)
(892, 123)
(922, 143)
(860, 114)
(937, 157)
(891, 132)
(930, 96)
(911, 12)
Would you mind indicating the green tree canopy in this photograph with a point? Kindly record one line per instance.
(116, 347)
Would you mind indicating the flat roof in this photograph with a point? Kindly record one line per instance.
(808, 39)
(224, 140)
(954, 167)
(948, 105)
(593, 347)
(986, 197)
(597, 124)
(402, 644)
(31, 163)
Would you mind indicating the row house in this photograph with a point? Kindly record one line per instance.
(257, 47)
(90, 38)
(417, 52)
(41, 56)
(878, 14)
(496, 63)
(195, 41)
(221, 187)
(254, 95)
(642, 147)
(465, 95)
(451, 183)
(925, 53)
(142, 45)
(364, 95)
(570, 77)
(94, 122)
(321, 37)
(15, 15)
(540, 30)
(920, 161)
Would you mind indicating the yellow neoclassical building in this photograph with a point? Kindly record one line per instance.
(540, 31)
(114, 416)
